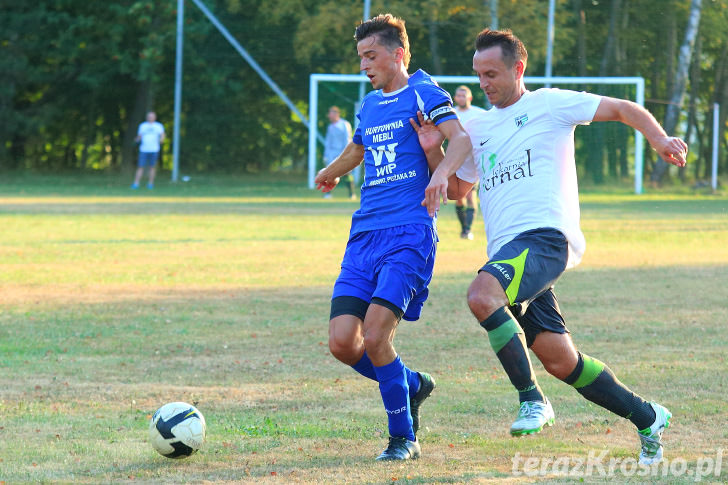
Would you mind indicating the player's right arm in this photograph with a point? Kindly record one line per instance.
(347, 161)
(672, 149)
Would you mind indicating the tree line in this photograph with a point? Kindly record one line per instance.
(76, 77)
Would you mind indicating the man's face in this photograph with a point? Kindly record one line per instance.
(333, 116)
(499, 82)
(379, 64)
(462, 100)
(151, 117)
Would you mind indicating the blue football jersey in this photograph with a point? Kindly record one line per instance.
(395, 167)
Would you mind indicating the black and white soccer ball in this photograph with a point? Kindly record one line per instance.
(177, 430)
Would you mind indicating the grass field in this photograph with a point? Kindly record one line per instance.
(216, 292)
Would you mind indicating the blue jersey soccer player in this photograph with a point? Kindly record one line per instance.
(389, 258)
(523, 158)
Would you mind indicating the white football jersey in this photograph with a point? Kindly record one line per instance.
(523, 156)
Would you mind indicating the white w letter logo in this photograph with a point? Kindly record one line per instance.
(377, 153)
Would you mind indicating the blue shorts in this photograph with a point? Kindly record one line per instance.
(393, 264)
(527, 268)
(148, 159)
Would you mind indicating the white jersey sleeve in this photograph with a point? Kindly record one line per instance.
(468, 171)
(570, 108)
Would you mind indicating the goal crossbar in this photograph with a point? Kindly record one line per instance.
(315, 79)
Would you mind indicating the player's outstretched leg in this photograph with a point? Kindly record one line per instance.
(596, 382)
(509, 344)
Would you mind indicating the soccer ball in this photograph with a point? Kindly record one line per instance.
(177, 430)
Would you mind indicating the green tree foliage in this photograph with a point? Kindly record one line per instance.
(76, 76)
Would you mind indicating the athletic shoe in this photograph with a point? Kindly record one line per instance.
(532, 417)
(651, 446)
(327, 195)
(134, 186)
(400, 449)
(150, 186)
(427, 385)
(466, 235)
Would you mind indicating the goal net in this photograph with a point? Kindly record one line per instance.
(604, 151)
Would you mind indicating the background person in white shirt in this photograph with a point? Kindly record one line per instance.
(151, 136)
(465, 207)
(523, 159)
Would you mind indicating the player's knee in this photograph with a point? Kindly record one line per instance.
(482, 304)
(559, 369)
(374, 340)
(344, 350)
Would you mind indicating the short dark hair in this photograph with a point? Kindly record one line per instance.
(390, 32)
(511, 46)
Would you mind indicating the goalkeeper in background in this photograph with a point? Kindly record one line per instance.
(338, 135)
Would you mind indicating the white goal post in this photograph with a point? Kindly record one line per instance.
(313, 97)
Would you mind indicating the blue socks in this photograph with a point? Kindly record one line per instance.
(395, 395)
(365, 368)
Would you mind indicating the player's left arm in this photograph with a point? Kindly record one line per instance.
(670, 148)
(458, 149)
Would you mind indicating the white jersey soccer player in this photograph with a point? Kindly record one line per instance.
(525, 164)
(523, 159)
